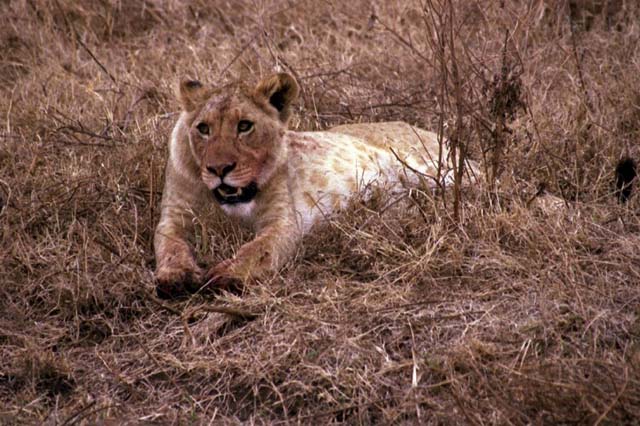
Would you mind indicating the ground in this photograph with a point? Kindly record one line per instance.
(463, 306)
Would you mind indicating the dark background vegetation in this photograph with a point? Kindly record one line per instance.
(467, 308)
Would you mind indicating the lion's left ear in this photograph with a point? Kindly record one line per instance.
(191, 94)
(279, 90)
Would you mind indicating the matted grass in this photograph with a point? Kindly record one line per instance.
(392, 312)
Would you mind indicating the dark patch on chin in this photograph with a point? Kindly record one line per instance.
(248, 193)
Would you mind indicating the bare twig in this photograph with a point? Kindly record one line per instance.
(84, 46)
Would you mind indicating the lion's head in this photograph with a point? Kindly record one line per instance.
(236, 134)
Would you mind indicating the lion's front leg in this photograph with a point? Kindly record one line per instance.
(177, 272)
(272, 247)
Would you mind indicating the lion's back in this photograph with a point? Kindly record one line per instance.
(398, 135)
(328, 168)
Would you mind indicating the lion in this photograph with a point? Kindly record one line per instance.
(231, 150)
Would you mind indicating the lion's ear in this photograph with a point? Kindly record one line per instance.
(280, 90)
(191, 93)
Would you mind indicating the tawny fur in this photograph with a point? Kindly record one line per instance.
(302, 177)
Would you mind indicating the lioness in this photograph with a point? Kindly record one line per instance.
(231, 149)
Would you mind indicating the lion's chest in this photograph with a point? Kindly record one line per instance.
(328, 169)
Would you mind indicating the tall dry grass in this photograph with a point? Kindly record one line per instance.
(463, 307)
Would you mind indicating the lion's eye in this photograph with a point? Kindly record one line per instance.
(203, 128)
(244, 126)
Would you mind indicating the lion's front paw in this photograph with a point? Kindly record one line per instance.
(220, 277)
(173, 283)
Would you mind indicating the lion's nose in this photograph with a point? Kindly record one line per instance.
(221, 170)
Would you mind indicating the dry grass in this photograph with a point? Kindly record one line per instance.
(389, 314)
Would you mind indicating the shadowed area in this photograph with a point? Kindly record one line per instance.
(625, 177)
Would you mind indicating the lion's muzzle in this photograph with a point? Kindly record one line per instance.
(226, 194)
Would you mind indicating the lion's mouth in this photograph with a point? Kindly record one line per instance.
(226, 194)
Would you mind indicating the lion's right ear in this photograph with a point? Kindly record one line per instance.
(191, 93)
(279, 90)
